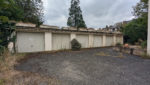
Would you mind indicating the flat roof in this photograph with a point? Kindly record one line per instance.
(53, 30)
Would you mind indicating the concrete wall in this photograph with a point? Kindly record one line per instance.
(48, 41)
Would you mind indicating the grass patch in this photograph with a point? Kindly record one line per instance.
(7, 63)
(7, 60)
(102, 54)
(10, 76)
(1, 82)
(119, 55)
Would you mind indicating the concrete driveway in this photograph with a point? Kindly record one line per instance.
(101, 66)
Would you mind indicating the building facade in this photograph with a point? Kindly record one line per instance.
(32, 39)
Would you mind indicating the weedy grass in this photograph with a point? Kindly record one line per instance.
(10, 76)
(102, 54)
(120, 55)
(1, 82)
(8, 60)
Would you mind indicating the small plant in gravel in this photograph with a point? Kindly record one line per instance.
(120, 55)
(144, 44)
(145, 56)
(102, 54)
(75, 45)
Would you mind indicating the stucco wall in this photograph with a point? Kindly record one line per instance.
(48, 41)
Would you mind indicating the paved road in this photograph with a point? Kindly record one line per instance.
(90, 67)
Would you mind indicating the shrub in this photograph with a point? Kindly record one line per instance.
(144, 44)
(75, 45)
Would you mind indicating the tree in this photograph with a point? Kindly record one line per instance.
(9, 9)
(141, 9)
(137, 28)
(6, 27)
(75, 15)
(32, 10)
(23, 10)
(18, 10)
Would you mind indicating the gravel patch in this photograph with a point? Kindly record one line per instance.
(87, 68)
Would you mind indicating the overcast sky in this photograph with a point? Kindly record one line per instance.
(96, 13)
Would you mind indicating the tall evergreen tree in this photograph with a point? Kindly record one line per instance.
(75, 15)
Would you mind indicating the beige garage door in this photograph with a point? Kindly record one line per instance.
(98, 41)
(84, 40)
(30, 42)
(60, 41)
(109, 41)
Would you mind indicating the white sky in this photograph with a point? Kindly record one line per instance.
(96, 13)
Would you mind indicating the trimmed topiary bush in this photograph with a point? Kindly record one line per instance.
(75, 45)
